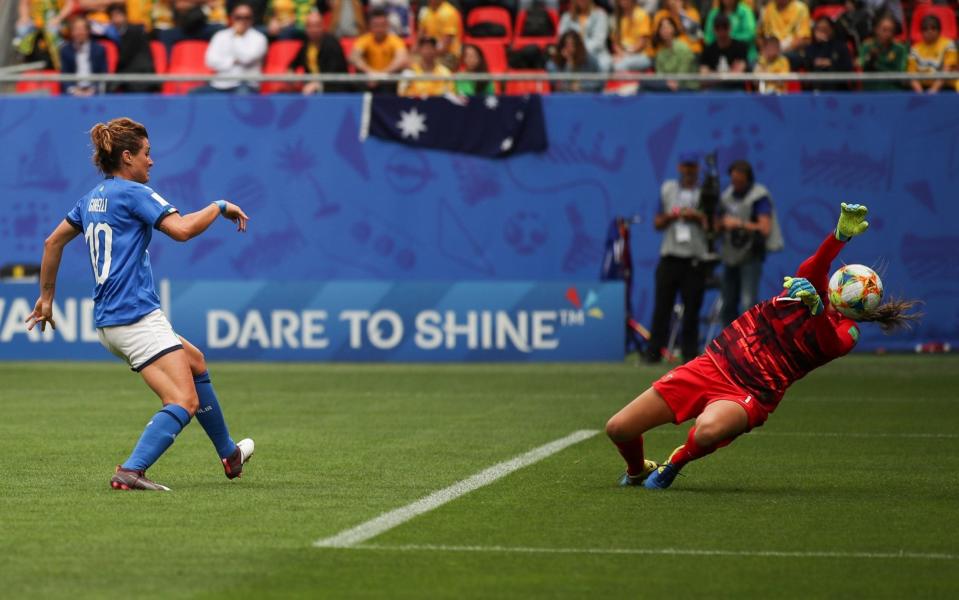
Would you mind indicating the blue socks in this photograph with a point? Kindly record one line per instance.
(211, 417)
(157, 437)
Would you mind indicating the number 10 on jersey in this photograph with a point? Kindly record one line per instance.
(98, 251)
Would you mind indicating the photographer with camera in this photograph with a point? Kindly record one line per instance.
(681, 267)
(748, 226)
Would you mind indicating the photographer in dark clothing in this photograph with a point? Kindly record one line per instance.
(747, 222)
(681, 266)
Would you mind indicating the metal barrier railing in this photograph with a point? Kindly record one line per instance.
(8, 77)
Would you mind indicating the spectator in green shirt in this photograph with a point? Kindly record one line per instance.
(673, 56)
(883, 54)
(474, 62)
(742, 23)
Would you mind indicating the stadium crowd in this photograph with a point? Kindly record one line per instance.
(238, 37)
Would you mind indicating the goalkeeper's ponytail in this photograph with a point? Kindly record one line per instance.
(893, 314)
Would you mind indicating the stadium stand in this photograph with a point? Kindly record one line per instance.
(278, 59)
(945, 14)
(187, 58)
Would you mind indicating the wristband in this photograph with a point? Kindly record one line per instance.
(221, 204)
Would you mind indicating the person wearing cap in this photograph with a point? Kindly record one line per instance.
(742, 25)
(681, 268)
(724, 55)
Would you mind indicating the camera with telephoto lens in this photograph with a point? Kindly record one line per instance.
(709, 194)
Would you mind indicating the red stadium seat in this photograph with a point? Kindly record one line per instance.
(542, 41)
(158, 50)
(491, 14)
(278, 58)
(113, 55)
(43, 88)
(347, 44)
(618, 86)
(521, 88)
(947, 18)
(494, 50)
(831, 12)
(188, 57)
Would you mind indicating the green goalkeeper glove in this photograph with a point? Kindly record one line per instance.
(852, 221)
(800, 289)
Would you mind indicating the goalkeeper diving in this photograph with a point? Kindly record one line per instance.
(744, 373)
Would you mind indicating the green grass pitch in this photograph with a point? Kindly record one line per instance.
(861, 459)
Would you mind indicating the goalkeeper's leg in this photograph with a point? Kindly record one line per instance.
(718, 425)
(626, 429)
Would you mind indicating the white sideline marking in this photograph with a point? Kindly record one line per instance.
(351, 537)
(655, 551)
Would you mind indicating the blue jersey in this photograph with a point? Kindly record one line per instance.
(117, 218)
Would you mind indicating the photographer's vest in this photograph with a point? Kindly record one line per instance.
(737, 249)
(682, 239)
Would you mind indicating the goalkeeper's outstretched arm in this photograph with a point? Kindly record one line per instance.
(852, 222)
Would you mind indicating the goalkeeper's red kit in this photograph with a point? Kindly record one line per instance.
(778, 341)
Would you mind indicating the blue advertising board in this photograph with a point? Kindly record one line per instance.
(349, 321)
(325, 206)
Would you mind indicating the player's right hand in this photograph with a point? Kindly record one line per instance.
(236, 214)
(42, 314)
(852, 221)
(800, 289)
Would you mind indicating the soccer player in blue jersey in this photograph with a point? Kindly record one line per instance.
(117, 218)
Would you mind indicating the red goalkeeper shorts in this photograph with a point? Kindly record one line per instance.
(690, 388)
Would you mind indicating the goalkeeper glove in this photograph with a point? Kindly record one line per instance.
(852, 221)
(800, 289)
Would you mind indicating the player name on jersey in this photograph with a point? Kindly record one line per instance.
(98, 205)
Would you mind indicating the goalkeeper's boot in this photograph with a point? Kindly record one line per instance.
(233, 464)
(628, 480)
(128, 479)
(663, 477)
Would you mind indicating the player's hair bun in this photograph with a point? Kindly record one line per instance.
(111, 139)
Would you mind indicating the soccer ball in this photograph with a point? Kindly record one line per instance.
(855, 290)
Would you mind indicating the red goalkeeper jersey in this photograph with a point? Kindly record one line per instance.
(778, 341)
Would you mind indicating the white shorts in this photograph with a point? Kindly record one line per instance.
(142, 342)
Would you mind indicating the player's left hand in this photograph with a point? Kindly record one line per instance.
(800, 289)
(42, 314)
(236, 214)
(852, 221)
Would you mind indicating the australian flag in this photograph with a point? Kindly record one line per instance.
(491, 126)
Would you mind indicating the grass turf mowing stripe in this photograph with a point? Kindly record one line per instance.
(389, 520)
(654, 551)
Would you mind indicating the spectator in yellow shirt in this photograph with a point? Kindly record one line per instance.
(426, 65)
(787, 21)
(933, 54)
(686, 20)
(772, 61)
(379, 52)
(441, 21)
(631, 32)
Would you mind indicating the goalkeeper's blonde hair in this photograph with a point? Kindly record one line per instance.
(893, 314)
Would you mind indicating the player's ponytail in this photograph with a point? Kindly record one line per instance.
(893, 314)
(111, 139)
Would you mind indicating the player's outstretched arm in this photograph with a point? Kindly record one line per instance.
(49, 267)
(852, 221)
(187, 227)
